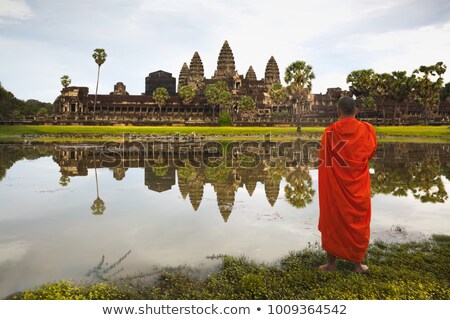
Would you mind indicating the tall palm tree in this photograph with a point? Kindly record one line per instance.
(299, 76)
(160, 95)
(99, 56)
(98, 207)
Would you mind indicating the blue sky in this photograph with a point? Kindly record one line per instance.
(41, 40)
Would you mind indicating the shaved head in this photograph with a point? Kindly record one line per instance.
(347, 106)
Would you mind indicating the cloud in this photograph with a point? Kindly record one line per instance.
(142, 36)
(17, 9)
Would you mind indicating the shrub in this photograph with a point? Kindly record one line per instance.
(225, 119)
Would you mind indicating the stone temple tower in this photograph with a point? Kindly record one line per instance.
(226, 67)
(272, 74)
(250, 75)
(196, 72)
(184, 76)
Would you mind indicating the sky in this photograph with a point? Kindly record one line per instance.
(41, 40)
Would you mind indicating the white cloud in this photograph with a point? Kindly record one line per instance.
(15, 9)
(403, 49)
(142, 36)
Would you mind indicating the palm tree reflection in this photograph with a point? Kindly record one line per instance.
(98, 207)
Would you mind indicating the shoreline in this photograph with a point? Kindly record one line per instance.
(80, 134)
(424, 275)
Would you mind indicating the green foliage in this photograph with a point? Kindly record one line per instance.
(408, 271)
(428, 86)
(218, 95)
(160, 171)
(361, 82)
(278, 94)
(362, 86)
(298, 190)
(246, 104)
(98, 207)
(160, 95)
(65, 81)
(67, 290)
(299, 76)
(11, 106)
(187, 94)
(42, 112)
(225, 119)
(99, 56)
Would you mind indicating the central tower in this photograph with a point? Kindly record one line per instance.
(226, 67)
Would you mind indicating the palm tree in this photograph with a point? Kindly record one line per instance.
(299, 191)
(278, 94)
(99, 56)
(298, 77)
(65, 81)
(187, 94)
(361, 84)
(382, 82)
(399, 90)
(98, 207)
(160, 95)
(428, 88)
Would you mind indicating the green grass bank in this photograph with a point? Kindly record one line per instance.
(414, 270)
(406, 131)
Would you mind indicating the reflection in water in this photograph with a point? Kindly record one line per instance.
(219, 165)
(98, 207)
(398, 169)
(419, 170)
(45, 234)
(107, 271)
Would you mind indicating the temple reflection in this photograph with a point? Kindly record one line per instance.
(282, 169)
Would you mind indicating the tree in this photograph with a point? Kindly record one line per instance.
(298, 190)
(98, 207)
(246, 104)
(381, 84)
(160, 95)
(64, 180)
(42, 112)
(299, 76)
(399, 90)
(428, 88)
(218, 95)
(361, 86)
(187, 94)
(278, 94)
(99, 56)
(65, 81)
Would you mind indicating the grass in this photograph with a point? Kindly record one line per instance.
(7, 130)
(49, 133)
(414, 270)
(416, 131)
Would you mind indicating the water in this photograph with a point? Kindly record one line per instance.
(52, 225)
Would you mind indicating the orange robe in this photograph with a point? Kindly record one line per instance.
(344, 188)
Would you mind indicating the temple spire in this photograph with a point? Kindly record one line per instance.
(250, 75)
(225, 63)
(196, 72)
(272, 74)
(184, 76)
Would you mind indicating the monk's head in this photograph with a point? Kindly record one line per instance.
(347, 108)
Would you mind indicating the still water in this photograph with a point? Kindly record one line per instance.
(63, 207)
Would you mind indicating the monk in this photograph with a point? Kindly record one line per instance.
(344, 187)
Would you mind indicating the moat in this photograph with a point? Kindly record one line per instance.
(63, 207)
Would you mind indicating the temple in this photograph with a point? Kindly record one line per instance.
(76, 104)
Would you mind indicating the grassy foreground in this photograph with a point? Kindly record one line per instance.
(10, 131)
(415, 270)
